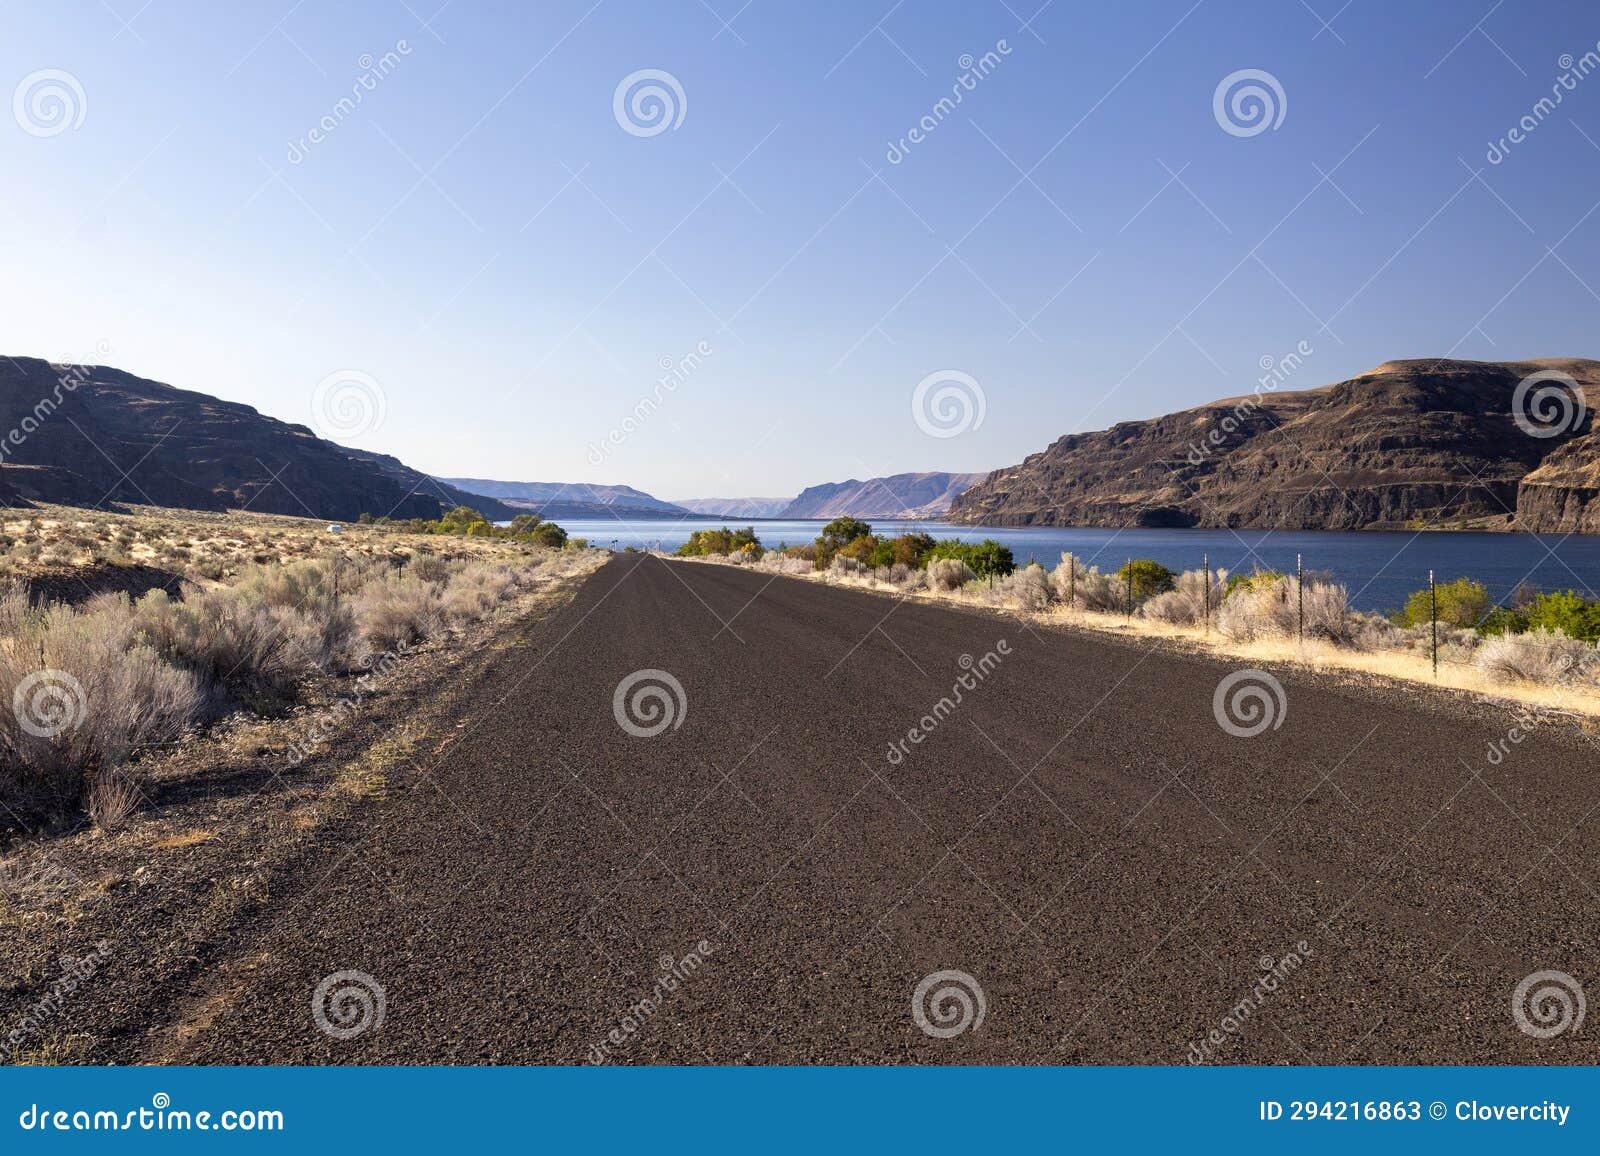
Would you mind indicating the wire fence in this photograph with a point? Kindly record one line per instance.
(1567, 655)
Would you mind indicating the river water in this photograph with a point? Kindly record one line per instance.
(1380, 568)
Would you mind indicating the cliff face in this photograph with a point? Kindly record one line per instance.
(593, 501)
(898, 496)
(116, 438)
(1411, 442)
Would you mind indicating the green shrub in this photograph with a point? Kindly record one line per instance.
(1568, 612)
(1146, 577)
(1463, 604)
(1256, 581)
(464, 521)
(986, 558)
(904, 549)
(723, 541)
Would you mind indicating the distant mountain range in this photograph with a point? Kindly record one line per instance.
(1408, 444)
(897, 496)
(90, 435)
(555, 500)
(735, 507)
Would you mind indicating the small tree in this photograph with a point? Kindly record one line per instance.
(838, 534)
(1146, 577)
(1463, 604)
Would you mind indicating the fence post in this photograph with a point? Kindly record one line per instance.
(1433, 621)
(1072, 579)
(1300, 599)
(1127, 583)
(1206, 590)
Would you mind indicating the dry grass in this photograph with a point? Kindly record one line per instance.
(210, 548)
(111, 799)
(183, 840)
(109, 676)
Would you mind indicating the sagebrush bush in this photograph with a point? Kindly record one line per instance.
(1185, 604)
(949, 574)
(1084, 587)
(1268, 606)
(78, 692)
(1026, 589)
(1540, 655)
(475, 590)
(398, 610)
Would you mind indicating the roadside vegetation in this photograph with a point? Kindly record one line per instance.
(1543, 640)
(91, 680)
(465, 522)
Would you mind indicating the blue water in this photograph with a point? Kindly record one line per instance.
(1379, 568)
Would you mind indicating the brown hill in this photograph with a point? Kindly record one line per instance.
(1408, 443)
(93, 435)
(926, 495)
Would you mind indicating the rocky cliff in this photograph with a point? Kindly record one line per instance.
(898, 496)
(92, 435)
(1410, 443)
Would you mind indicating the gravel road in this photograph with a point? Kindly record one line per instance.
(1114, 875)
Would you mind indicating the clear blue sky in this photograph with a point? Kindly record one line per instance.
(482, 237)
